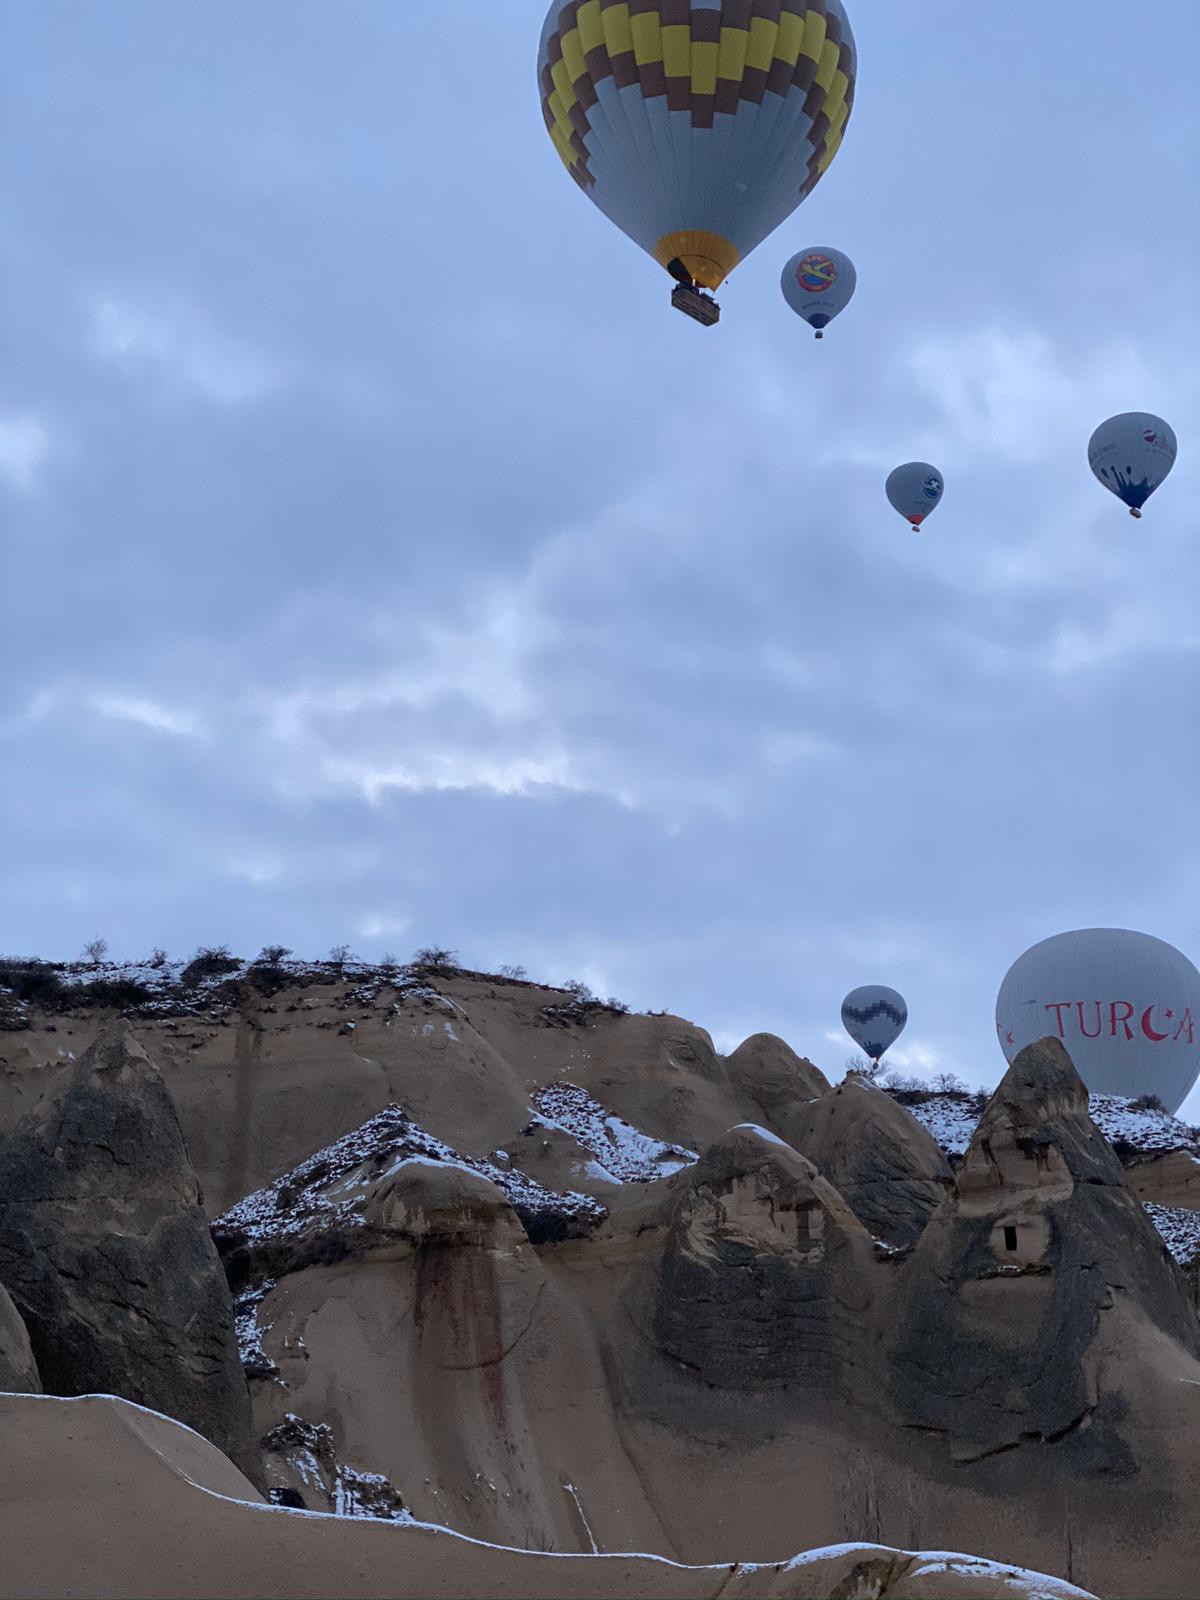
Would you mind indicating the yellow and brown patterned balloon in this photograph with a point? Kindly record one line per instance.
(697, 126)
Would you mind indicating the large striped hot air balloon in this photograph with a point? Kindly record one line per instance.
(697, 126)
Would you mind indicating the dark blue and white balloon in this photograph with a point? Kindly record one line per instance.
(874, 1017)
(914, 490)
(818, 284)
(1131, 455)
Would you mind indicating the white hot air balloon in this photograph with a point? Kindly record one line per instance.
(914, 490)
(1131, 455)
(874, 1017)
(817, 284)
(1125, 1005)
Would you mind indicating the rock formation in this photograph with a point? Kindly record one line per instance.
(98, 1498)
(18, 1369)
(105, 1249)
(519, 1265)
(766, 1271)
(1039, 1244)
(884, 1164)
(775, 1079)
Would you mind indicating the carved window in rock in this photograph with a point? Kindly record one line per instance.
(810, 1232)
(1010, 1237)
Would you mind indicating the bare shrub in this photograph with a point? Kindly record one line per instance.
(272, 955)
(210, 961)
(1148, 1102)
(94, 951)
(434, 958)
(859, 1067)
(948, 1083)
(34, 981)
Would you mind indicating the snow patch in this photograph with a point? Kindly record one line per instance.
(952, 1119)
(1179, 1228)
(763, 1133)
(625, 1154)
(330, 1191)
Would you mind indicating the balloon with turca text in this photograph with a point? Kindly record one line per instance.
(1124, 1004)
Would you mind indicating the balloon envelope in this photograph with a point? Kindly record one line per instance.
(874, 1017)
(1132, 454)
(818, 283)
(914, 490)
(1124, 1004)
(697, 129)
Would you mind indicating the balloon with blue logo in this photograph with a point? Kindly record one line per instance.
(914, 490)
(1131, 454)
(874, 1017)
(817, 284)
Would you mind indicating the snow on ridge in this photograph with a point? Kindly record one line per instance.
(949, 1119)
(1120, 1123)
(1179, 1228)
(952, 1119)
(625, 1154)
(304, 1200)
(764, 1133)
(1020, 1581)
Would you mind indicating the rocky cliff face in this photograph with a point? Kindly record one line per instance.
(1013, 1279)
(105, 1249)
(567, 1280)
(98, 1498)
(18, 1369)
(766, 1274)
(885, 1164)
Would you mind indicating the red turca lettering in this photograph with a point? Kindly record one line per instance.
(1122, 1019)
(1058, 1007)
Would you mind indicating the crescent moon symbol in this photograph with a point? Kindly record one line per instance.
(1146, 1028)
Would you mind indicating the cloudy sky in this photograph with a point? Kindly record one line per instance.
(384, 562)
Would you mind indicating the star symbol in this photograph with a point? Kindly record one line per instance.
(1168, 1015)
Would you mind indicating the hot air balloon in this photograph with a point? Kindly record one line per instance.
(915, 490)
(697, 128)
(874, 1017)
(1125, 1005)
(817, 284)
(1131, 455)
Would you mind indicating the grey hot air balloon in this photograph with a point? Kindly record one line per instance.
(874, 1017)
(914, 490)
(1131, 455)
(1124, 1004)
(817, 284)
